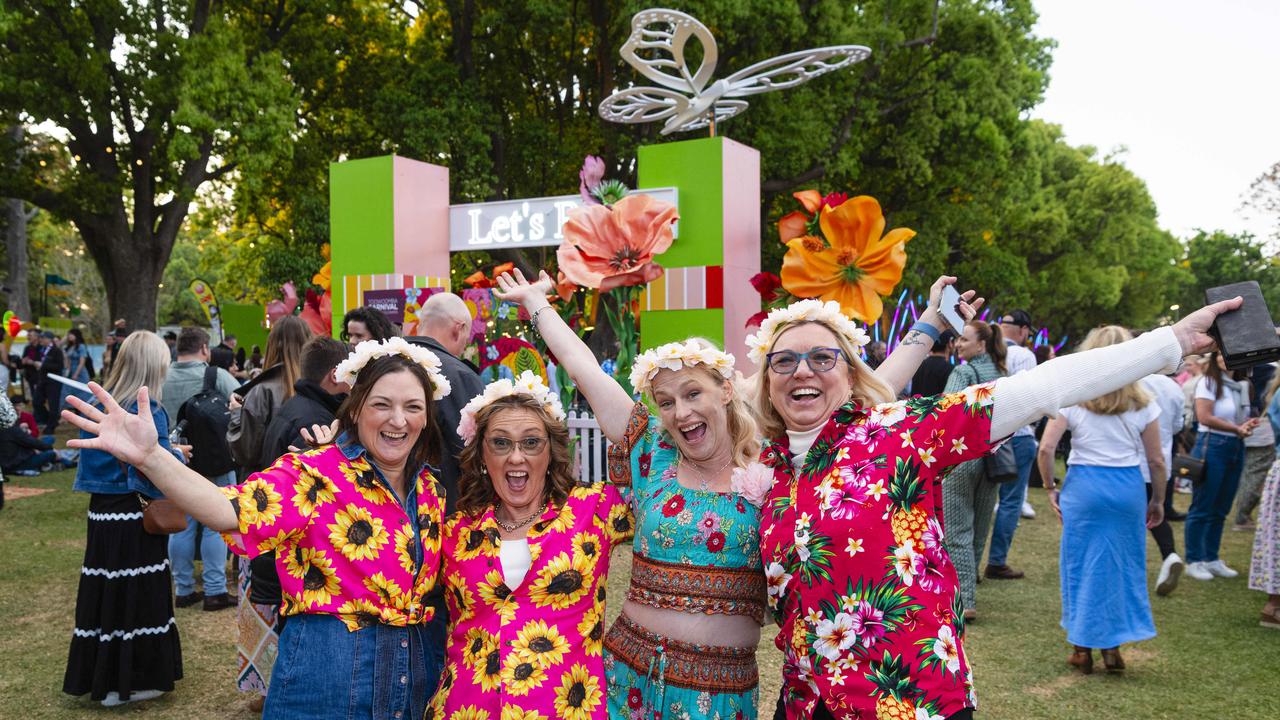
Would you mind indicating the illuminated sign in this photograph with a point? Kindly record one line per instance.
(531, 222)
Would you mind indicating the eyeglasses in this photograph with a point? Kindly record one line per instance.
(528, 446)
(820, 359)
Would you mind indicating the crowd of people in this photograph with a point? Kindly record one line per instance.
(415, 543)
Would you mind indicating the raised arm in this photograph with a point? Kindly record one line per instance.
(610, 403)
(1073, 379)
(131, 438)
(902, 363)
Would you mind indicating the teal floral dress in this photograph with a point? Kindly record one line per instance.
(695, 551)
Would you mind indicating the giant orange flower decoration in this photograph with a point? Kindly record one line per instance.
(860, 264)
(608, 247)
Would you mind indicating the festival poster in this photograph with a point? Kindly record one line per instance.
(389, 302)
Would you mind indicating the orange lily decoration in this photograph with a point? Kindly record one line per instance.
(564, 286)
(796, 224)
(861, 264)
(479, 280)
(323, 278)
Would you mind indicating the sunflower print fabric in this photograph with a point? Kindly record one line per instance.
(533, 651)
(344, 544)
(864, 594)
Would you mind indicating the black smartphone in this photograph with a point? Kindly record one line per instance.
(1245, 336)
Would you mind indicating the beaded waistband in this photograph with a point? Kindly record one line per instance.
(697, 588)
(691, 666)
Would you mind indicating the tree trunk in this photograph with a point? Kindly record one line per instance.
(131, 263)
(16, 217)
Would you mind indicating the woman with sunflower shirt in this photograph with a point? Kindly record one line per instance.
(865, 596)
(526, 556)
(356, 530)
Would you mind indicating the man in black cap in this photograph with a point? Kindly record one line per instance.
(1016, 328)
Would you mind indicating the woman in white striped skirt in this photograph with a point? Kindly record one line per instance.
(125, 643)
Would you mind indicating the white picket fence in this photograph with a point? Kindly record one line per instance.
(590, 447)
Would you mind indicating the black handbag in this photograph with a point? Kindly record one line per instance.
(1001, 465)
(1187, 465)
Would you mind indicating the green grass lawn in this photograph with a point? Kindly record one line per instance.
(1211, 658)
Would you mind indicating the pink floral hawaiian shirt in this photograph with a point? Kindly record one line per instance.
(344, 544)
(535, 650)
(865, 596)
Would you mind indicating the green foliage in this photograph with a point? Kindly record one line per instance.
(1217, 258)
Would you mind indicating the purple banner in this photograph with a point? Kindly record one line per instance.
(390, 302)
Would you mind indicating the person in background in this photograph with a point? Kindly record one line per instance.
(366, 323)
(316, 397)
(446, 327)
(1259, 455)
(968, 495)
(932, 376)
(26, 420)
(1222, 411)
(171, 339)
(1102, 558)
(184, 380)
(125, 645)
(1015, 328)
(52, 363)
(229, 342)
(32, 354)
(1044, 353)
(876, 353)
(78, 364)
(1168, 398)
(254, 404)
(8, 420)
(1264, 570)
(21, 453)
(255, 360)
(4, 367)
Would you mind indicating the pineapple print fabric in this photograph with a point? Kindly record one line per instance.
(865, 596)
(534, 650)
(344, 544)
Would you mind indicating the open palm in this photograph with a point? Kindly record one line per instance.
(129, 437)
(514, 287)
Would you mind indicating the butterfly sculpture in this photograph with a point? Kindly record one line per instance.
(656, 48)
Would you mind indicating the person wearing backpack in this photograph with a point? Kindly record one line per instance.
(196, 396)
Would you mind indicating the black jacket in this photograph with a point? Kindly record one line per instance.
(54, 362)
(464, 384)
(16, 446)
(309, 405)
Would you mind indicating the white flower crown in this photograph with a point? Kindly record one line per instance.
(526, 384)
(805, 310)
(368, 350)
(674, 356)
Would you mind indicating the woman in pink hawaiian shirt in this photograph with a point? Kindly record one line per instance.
(356, 530)
(526, 557)
(860, 584)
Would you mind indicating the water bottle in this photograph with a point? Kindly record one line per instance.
(175, 436)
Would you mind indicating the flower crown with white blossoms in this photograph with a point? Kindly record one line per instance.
(369, 350)
(526, 384)
(674, 356)
(804, 311)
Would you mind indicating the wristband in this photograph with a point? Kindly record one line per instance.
(533, 319)
(927, 329)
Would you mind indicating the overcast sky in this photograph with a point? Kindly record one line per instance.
(1191, 89)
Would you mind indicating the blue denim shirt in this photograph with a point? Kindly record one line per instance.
(1273, 415)
(100, 472)
(353, 450)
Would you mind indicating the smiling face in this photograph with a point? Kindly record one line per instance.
(519, 477)
(969, 345)
(805, 399)
(693, 408)
(391, 418)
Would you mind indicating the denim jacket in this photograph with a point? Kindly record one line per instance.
(99, 472)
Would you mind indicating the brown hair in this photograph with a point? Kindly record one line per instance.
(1129, 397)
(475, 488)
(865, 387)
(284, 347)
(992, 343)
(427, 448)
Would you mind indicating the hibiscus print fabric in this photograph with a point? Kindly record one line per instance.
(344, 544)
(534, 650)
(865, 596)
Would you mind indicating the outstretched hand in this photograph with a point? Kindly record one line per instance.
(320, 434)
(129, 437)
(514, 287)
(968, 306)
(1192, 331)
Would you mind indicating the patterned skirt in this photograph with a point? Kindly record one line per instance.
(1264, 572)
(652, 676)
(125, 637)
(258, 639)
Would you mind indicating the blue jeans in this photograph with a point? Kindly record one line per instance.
(213, 553)
(1223, 457)
(35, 462)
(325, 671)
(1012, 495)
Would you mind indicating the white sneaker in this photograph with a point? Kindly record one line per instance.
(1219, 568)
(1028, 512)
(1170, 570)
(1199, 571)
(113, 698)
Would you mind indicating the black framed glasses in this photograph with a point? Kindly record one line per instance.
(820, 359)
(528, 446)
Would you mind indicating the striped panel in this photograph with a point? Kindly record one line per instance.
(353, 286)
(686, 288)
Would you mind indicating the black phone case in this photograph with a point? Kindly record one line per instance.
(1246, 336)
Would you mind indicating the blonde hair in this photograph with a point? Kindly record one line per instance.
(1271, 388)
(284, 347)
(865, 387)
(744, 437)
(143, 360)
(1129, 397)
